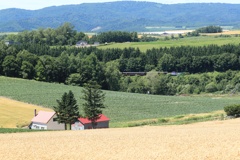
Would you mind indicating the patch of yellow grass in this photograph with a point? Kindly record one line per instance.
(224, 33)
(14, 113)
(216, 140)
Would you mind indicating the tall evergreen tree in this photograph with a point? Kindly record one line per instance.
(67, 109)
(94, 98)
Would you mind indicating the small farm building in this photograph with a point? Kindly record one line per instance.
(9, 43)
(77, 126)
(102, 122)
(45, 120)
(81, 44)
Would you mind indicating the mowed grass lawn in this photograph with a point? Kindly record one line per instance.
(191, 41)
(122, 107)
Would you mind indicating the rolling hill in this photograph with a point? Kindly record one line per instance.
(16, 114)
(122, 108)
(122, 15)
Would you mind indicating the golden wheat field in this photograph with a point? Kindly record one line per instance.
(225, 32)
(16, 114)
(216, 140)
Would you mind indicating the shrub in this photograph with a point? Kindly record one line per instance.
(74, 79)
(178, 117)
(143, 123)
(162, 120)
(211, 87)
(233, 110)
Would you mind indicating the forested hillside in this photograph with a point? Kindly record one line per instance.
(122, 15)
(169, 71)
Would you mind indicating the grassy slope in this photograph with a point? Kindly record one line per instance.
(16, 114)
(122, 107)
(192, 41)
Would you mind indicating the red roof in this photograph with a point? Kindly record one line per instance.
(101, 119)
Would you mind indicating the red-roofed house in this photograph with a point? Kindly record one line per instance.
(45, 120)
(102, 122)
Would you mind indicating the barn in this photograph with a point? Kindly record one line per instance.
(102, 122)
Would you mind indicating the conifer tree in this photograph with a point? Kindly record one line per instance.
(94, 98)
(67, 109)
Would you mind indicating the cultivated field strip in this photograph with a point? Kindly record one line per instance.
(122, 107)
(209, 140)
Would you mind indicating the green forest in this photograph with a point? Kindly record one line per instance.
(50, 55)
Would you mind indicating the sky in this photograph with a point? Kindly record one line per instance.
(38, 4)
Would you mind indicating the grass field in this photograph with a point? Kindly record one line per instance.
(122, 107)
(216, 140)
(15, 114)
(18, 130)
(6, 33)
(191, 41)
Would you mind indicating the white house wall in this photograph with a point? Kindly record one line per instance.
(38, 126)
(77, 126)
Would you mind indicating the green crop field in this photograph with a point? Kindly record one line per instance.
(16, 130)
(6, 33)
(122, 107)
(191, 41)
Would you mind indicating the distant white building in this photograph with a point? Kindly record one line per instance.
(81, 44)
(7, 43)
(45, 120)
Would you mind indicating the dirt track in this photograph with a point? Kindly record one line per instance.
(209, 140)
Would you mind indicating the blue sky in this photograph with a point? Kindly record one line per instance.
(38, 4)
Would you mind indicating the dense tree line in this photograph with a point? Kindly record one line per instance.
(166, 84)
(63, 35)
(210, 29)
(76, 66)
(117, 36)
(66, 35)
(52, 60)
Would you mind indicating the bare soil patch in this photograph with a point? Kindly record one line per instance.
(208, 140)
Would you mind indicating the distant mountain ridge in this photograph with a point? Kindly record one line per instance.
(121, 15)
